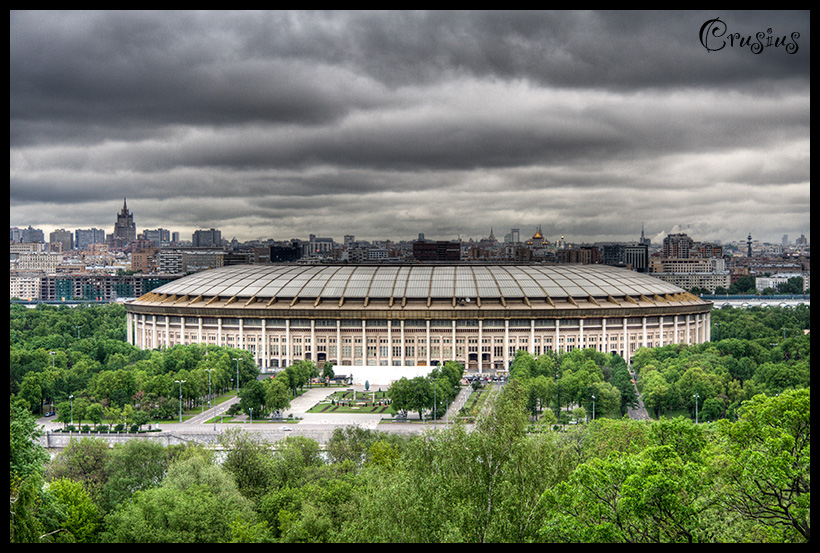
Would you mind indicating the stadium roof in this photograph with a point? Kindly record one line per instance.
(418, 281)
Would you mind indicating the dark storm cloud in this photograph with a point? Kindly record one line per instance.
(298, 121)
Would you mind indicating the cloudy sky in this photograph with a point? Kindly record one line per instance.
(388, 124)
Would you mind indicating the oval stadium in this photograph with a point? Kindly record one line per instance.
(416, 315)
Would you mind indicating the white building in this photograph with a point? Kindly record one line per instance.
(417, 315)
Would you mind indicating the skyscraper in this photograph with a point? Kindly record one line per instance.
(125, 230)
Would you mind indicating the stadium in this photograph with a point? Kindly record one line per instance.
(416, 315)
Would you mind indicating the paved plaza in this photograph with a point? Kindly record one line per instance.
(317, 426)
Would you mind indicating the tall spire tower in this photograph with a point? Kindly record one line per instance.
(125, 230)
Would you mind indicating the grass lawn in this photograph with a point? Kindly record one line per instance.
(343, 401)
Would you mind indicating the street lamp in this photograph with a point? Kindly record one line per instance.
(251, 410)
(180, 382)
(209, 371)
(237, 373)
(593, 407)
(71, 403)
(434, 404)
(696, 396)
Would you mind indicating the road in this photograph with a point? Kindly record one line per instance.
(317, 426)
(639, 412)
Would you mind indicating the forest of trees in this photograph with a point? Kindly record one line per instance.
(743, 476)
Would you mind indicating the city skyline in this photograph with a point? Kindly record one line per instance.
(385, 125)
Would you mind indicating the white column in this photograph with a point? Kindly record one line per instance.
(603, 330)
(626, 343)
(286, 347)
(265, 355)
(241, 344)
(219, 331)
(154, 337)
(676, 339)
(313, 349)
(480, 354)
(688, 335)
(338, 341)
(506, 350)
(167, 332)
(581, 333)
(454, 339)
(403, 351)
(364, 343)
(143, 340)
(129, 334)
(389, 342)
(532, 337)
(660, 329)
(429, 346)
(199, 330)
(708, 327)
(557, 334)
(643, 328)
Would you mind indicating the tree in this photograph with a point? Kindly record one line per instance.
(81, 518)
(84, 461)
(414, 394)
(652, 496)
(95, 413)
(327, 371)
(621, 379)
(249, 462)
(766, 463)
(277, 395)
(133, 466)
(607, 400)
(656, 393)
(252, 396)
(27, 456)
(198, 502)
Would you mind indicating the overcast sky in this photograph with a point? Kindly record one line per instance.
(389, 124)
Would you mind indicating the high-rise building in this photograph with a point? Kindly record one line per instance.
(64, 237)
(440, 250)
(125, 230)
(210, 238)
(677, 245)
(85, 237)
(27, 235)
(157, 236)
(635, 256)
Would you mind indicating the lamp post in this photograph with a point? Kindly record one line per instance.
(237, 373)
(434, 404)
(696, 396)
(593, 407)
(209, 371)
(180, 382)
(251, 411)
(71, 403)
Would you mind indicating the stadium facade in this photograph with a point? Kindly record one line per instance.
(417, 314)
